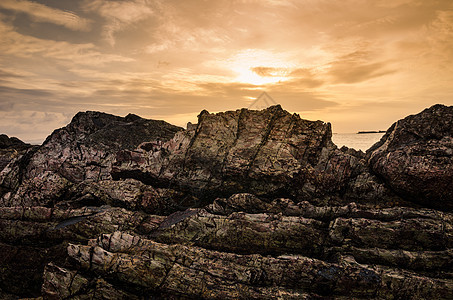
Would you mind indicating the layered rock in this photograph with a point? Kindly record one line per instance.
(71, 172)
(268, 153)
(232, 151)
(342, 252)
(415, 157)
(148, 268)
(244, 204)
(32, 237)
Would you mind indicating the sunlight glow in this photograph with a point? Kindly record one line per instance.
(245, 62)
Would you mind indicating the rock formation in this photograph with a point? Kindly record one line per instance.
(415, 157)
(74, 157)
(269, 153)
(243, 204)
(10, 148)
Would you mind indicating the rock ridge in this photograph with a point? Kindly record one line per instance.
(244, 204)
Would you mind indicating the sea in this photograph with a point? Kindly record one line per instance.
(357, 141)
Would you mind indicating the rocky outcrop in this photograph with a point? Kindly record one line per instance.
(69, 172)
(10, 148)
(244, 204)
(11, 142)
(415, 157)
(81, 152)
(242, 150)
(268, 153)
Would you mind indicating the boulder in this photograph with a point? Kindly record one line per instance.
(415, 157)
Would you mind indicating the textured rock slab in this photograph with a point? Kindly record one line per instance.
(271, 233)
(32, 237)
(195, 272)
(130, 194)
(22, 267)
(61, 283)
(250, 203)
(415, 157)
(407, 234)
(248, 233)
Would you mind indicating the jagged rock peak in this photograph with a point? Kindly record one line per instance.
(10, 142)
(91, 121)
(132, 118)
(78, 153)
(10, 148)
(115, 131)
(259, 151)
(274, 111)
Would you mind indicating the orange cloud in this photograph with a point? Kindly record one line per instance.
(42, 13)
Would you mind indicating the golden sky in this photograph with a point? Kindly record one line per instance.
(360, 65)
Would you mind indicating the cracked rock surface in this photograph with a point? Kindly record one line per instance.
(415, 157)
(242, 205)
(268, 153)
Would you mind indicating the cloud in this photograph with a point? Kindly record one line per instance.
(30, 125)
(14, 44)
(271, 71)
(355, 68)
(300, 101)
(9, 74)
(440, 35)
(171, 59)
(119, 14)
(291, 78)
(6, 105)
(8, 91)
(42, 13)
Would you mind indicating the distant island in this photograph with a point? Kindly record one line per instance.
(372, 131)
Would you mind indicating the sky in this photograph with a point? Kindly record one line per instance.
(360, 65)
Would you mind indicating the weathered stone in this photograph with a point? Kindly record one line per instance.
(268, 153)
(406, 234)
(80, 152)
(244, 204)
(10, 148)
(60, 283)
(131, 194)
(196, 272)
(436, 263)
(415, 157)
(30, 238)
(248, 233)
(21, 267)
(259, 151)
(251, 204)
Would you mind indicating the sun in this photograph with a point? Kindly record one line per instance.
(248, 75)
(246, 63)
